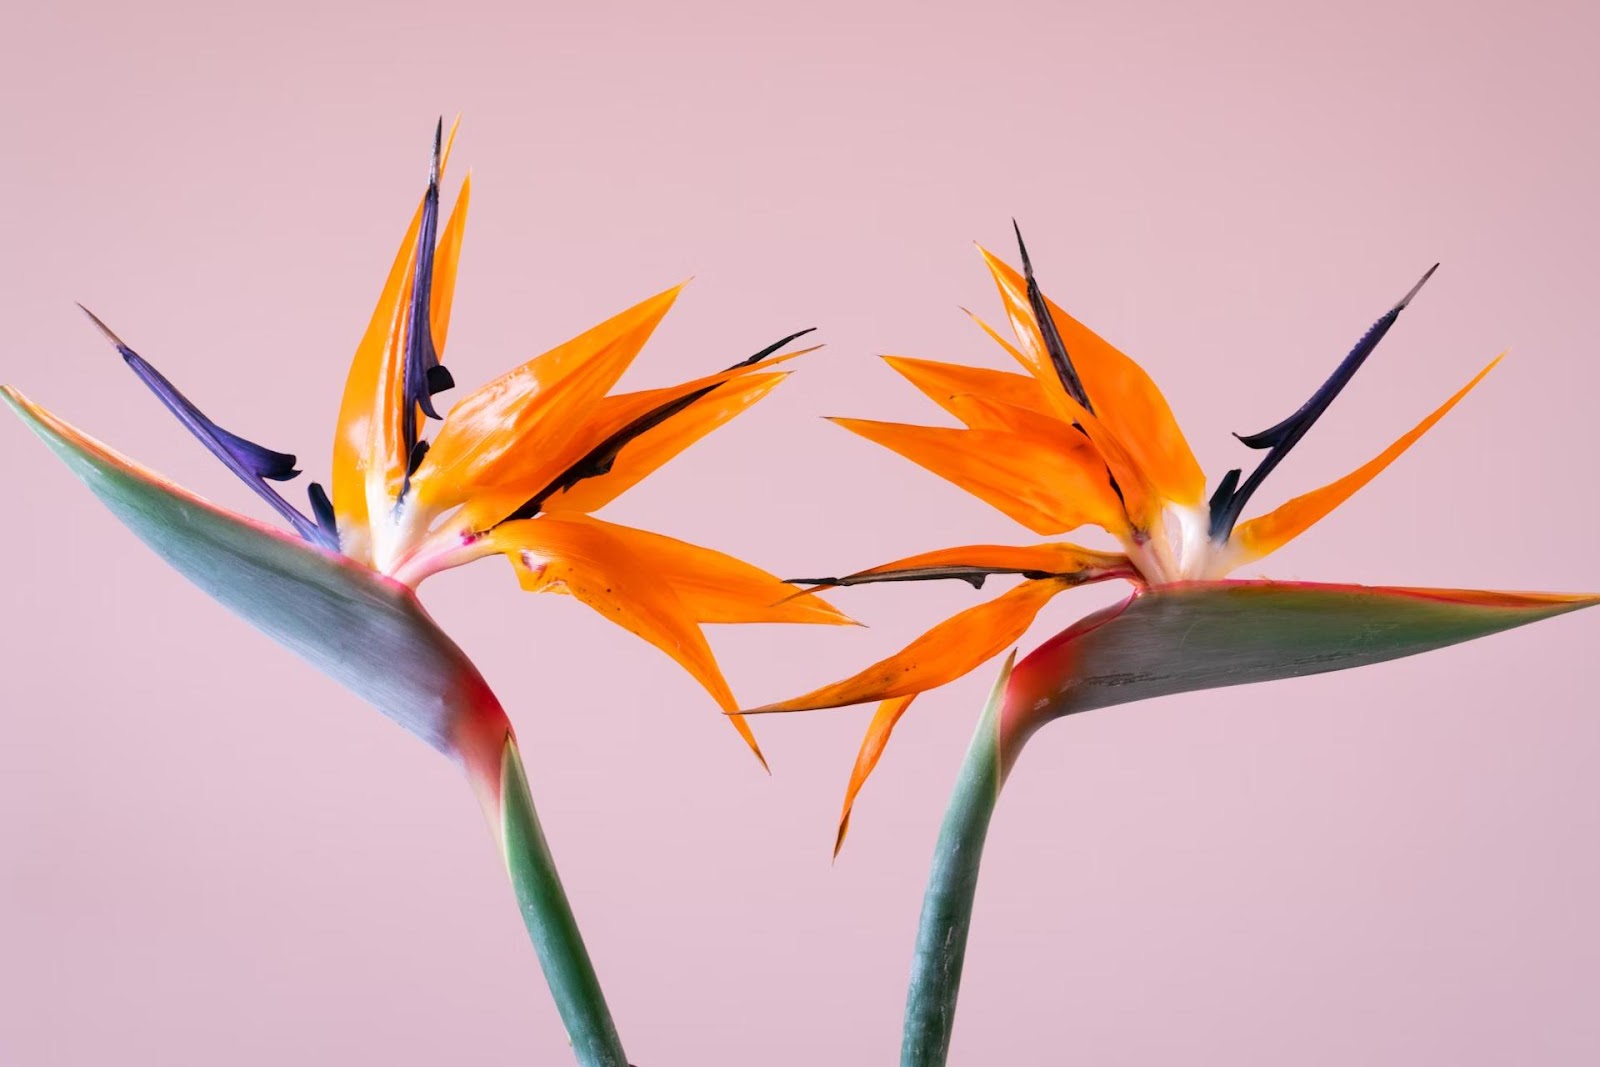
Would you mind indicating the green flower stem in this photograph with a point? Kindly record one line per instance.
(551, 925)
(947, 902)
(1178, 639)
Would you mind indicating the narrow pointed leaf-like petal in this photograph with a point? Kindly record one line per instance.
(943, 382)
(619, 423)
(1139, 499)
(1048, 485)
(1270, 532)
(366, 632)
(991, 413)
(1115, 472)
(1125, 398)
(943, 654)
(883, 723)
(608, 568)
(974, 564)
(645, 454)
(1028, 350)
(711, 586)
(387, 459)
(507, 435)
(447, 261)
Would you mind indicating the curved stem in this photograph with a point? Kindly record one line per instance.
(947, 902)
(551, 925)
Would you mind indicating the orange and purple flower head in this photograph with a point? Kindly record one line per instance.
(1083, 437)
(516, 468)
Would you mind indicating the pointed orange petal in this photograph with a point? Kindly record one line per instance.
(364, 389)
(446, 259)
(943, 654)
(878, 731)
(506, 437)
(712, 586)
(449, 143)
(1125, 398)
(1030, 350)
(1034, 360)
(613, 449)
(651, 450)
(941, 382)
(1272, 531)
(383, 461)
(991, 413)
(358, 410)
(1057, 559)
(1139, 501)
(606, 567)
(1048, 484)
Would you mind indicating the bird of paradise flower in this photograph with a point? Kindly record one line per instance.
(515, 469)
(1085, 438)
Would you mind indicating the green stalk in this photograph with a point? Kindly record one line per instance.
(551, 925)
(947, 902)
(1178, 639)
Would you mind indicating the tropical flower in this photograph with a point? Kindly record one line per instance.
(515, 468)
(1082, 437)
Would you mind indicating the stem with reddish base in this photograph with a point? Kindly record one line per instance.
(501, 783)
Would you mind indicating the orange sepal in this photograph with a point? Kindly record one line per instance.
(506, 437)
(652, 449)
(1138, 501)
(1048, 484)
(943, 654)
(712, 586)
(1124, 397)
(1141, 503)
(628, 577)
(883, 723)
(1270, 532)
(943, 383)
(446, 261)
(1056, 559)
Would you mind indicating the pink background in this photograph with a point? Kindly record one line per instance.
(210, 854)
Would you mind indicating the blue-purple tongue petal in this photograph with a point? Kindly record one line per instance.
(322, 509)
(263, 462)
(1059, 357)
(254, 464)
(424, 375)
(1228, 502)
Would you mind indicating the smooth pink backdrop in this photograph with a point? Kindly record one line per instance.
(210, 854)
